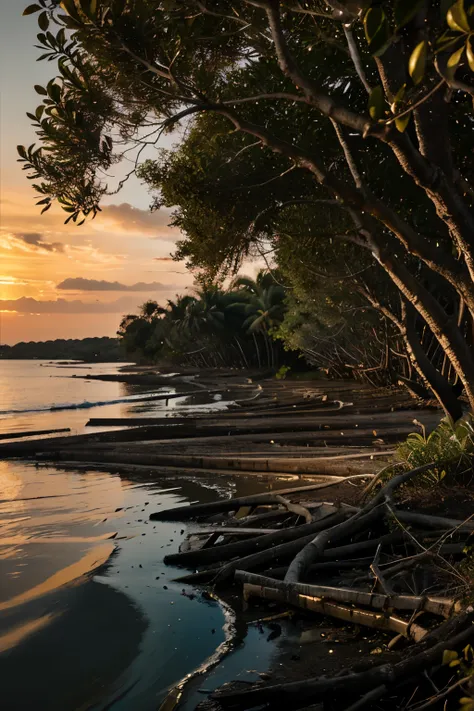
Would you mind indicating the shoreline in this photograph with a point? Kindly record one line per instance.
(295, 431)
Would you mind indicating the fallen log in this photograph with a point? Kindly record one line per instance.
(327, 566)
(331, 555)
(88, 463)
(231, 550)
(32, 433)
(367, 618)
(428, 521)
(319, 466)
(442, 606)
(233, 531)
(183, 513)
(314, 550)
(274, 514)
(264, 557)
(345, 551)
(296, 509)
(297, 694)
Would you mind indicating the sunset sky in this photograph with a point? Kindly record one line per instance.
(63, 281)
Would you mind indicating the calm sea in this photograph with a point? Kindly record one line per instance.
(89, 617)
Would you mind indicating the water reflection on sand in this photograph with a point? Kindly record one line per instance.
(88, 615)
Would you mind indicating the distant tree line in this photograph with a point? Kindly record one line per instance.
(87, 349)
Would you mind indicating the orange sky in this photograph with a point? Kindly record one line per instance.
(109, 265)
(64, 281)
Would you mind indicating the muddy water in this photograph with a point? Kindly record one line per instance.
(89, 618)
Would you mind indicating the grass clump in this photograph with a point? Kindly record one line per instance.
(450, 447)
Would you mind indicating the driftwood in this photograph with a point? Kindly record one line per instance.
(239, 548)
(357, 616)
(357, 548)
(428, 521)
(32, 433)
(232, 531)
(285, 550)
(296, 509)
(453, 634)
(372, 510)
(441, 606)
(183, 513)
(275, 552)
(327, 566)
(331, 557)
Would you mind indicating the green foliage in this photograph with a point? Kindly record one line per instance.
(214, 327)
(111, 77)
(417, 63)
(450, 447)
(376, 103)
(258, 151)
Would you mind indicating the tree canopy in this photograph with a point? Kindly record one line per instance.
(359, 111)
(215, 327)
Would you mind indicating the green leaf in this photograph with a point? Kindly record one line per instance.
(457, 18)
(417, 62)
(373, 19)
(46, 208)
(43, 21)
(31, 9)
(21, 150)
(377, 30)
(402, 123)
(405, 10)
(397, 99)
(40, 90)
(376, 103)
(470, 55)
(449, 656)
(453, 62)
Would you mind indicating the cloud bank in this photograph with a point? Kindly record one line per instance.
(154, 224)
(35, 241)
(82, 284)
(28, 305)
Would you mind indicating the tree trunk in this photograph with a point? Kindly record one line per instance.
(445, 330)
(438, 384)
(257, 350)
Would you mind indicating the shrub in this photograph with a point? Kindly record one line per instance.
(449, 446)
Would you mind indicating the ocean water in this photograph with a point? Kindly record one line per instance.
(40, 395)
(89, 615)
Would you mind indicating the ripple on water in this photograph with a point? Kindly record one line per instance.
(86, 604)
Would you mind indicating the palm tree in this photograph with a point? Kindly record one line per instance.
(151, 310)
(261, 300)
(206, 313)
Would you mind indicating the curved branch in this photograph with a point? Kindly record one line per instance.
(355, 56)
